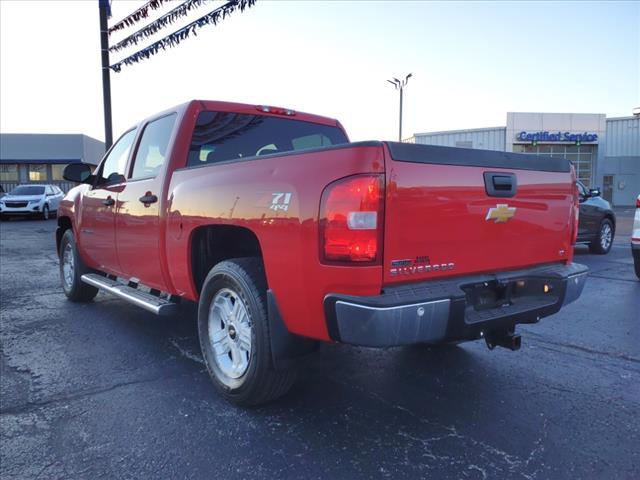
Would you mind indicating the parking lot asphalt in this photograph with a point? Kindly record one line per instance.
(107, 390)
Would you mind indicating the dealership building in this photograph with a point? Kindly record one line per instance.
(40, 158)
(605, 151)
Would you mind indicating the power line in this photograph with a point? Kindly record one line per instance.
(180, 11)
(176, 37)
(137, 15)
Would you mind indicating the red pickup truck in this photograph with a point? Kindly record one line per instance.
(286, 234)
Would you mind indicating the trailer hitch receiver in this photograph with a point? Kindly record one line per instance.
(506, 338)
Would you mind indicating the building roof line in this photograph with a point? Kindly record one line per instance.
(632, 117)
(463, 130)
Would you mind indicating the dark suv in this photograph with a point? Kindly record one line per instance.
(597, 225)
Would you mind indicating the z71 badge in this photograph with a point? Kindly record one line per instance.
(280, 201)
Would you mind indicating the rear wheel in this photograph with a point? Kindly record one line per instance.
(234, 334)
(71, 269)
(636, 262)
(604, 240)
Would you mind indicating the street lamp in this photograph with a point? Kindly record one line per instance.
(399, 85)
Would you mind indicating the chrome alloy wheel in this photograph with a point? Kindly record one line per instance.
(68, 266)
(230, 334)
(606, 235)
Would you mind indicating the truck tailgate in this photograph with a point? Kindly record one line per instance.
(454, 211)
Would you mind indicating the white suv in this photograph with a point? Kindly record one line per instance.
(635, 238)
(41, 200)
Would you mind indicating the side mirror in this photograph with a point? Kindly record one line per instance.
(77, 172)
(594, 192)
(116, 177)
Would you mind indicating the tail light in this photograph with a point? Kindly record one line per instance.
(351, 215)
(638, 202)
(576, 213)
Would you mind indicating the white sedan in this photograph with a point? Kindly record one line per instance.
(41, 200)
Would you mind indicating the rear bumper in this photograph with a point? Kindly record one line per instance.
(443, 311)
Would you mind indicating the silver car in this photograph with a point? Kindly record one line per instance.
(40, 200)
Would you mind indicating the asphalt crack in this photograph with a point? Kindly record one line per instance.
(30, 407)
(617, 356)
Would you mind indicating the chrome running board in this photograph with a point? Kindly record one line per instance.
(148, 301)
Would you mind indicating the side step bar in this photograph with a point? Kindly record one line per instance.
(149, 302)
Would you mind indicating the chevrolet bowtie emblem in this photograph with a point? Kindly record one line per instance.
(500, 213)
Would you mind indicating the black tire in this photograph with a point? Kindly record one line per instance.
(45, 212)
(636, 262)
(259, 383)
(600, 244)
(74, 288)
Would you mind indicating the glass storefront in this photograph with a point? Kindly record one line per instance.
(12, 175)
(56, 172)
(582, 156)
(8, 172)
(37, 172)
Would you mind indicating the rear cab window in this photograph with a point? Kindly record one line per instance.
(223, 136)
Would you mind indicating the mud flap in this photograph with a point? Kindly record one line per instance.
(286, 348)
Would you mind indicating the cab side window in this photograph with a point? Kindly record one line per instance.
(114, 165)
(152, 151)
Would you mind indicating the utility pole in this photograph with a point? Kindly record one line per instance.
(400, 86)
(105, 12)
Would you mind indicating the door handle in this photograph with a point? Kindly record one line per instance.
(148, 198)
(108, 201)
(500, 184)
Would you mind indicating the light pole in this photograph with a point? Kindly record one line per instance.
(400, 84)
(105, 12)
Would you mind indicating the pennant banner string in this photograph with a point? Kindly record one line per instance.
(142, 12)
(180, 11)
(176, 37)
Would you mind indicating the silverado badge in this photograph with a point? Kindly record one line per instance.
(501, 213)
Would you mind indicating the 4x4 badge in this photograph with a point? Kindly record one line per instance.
(280, 201)
(501, 213)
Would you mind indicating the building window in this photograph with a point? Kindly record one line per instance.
(37, 172)
(581, 156)
(8, 173)
(56, 171)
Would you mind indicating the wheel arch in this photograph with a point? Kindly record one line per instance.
(211, 244)
(64, 224)
(612, 218)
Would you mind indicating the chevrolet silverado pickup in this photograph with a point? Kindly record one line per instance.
(287, 234)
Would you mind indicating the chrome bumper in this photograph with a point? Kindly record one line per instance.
(441, 311)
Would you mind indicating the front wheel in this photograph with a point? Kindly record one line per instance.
(234, 334)
(602, 244)
(71, 269)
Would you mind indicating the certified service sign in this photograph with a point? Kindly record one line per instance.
(585, 137)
